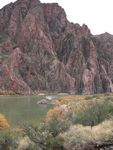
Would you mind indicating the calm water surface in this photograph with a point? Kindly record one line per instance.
(23, 109)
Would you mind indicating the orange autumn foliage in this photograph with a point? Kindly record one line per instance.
(58, 111)
(55, 112)
(3, 122)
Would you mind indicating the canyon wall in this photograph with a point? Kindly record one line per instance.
(40, 50)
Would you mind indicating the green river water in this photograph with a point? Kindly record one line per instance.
(23, 109)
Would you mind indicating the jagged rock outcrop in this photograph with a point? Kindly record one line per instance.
(41, 50)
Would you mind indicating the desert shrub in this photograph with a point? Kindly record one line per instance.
(109, 98)
(88, 97)
(79, 136)
(76, 137)
(56, 126)
(95, 114)
(17, 132)
(67, 99)
(24, 143)
(55, 112)
(77, 107)
(3, 122)
(39, 136)
(6, 140)
(57, 143)
(46, 135)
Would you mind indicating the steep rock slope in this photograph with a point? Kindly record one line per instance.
(41, 50)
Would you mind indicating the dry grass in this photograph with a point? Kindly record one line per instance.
(85, 134)
(103, 131)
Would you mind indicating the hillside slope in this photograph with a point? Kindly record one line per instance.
(41, 50)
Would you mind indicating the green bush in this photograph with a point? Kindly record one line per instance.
(57, 143)
(95, 114)
(88, 97)
(46, 135)
(38, 135)
(56, 126)
(6, 140)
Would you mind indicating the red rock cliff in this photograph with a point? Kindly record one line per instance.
(41, 50)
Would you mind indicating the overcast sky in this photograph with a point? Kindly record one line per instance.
(97, 14)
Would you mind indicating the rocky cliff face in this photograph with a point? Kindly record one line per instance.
(41, 50)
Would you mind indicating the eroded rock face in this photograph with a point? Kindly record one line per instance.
(41, 50)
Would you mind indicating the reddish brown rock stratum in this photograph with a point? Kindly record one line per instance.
(41, 50)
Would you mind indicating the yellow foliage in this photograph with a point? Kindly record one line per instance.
(67, 99)
(3, 122)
